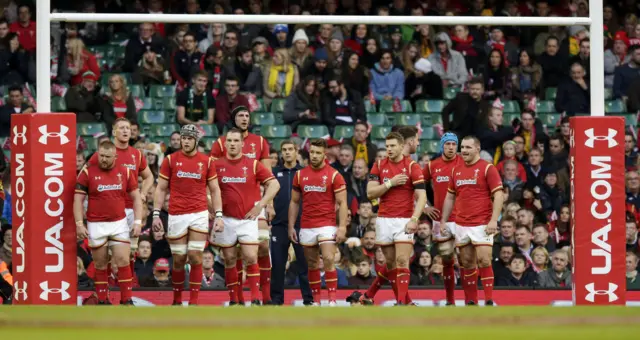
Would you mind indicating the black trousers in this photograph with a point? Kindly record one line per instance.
(279, 255)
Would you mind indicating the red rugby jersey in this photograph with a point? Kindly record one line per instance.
(106, 190)
(318, 188)
(398, 201)
(473, 185)
(188, 177)
(255, 147)
(240, 181)
(438, 171)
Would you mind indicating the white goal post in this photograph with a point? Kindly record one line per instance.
(44, 17)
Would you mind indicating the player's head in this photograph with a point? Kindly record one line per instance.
(410, 135)
(449, 145)
(289, 151)
(470, 149)
(106, 155)
(240, 117)
(395, 145)
(189, 136)
(317, 152)
(234, 142)
(122, 130)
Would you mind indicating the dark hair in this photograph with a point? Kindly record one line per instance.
(529, 111)
(287, 142)
(551, 37)
(556, 137)
(408, 132)
(336, 78)
(272, 150)
(530, 54)
(233, 78)
(509, 218)
(4, 21)
(15, 87)
(585, 40)
(539, 225)
(518, 256)
(236, 130)
(242, 50)
(385, 51)
(396, 136)
(174, 133)
(191, 34)
(320, 143)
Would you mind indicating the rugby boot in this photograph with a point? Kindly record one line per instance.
(256, 303)
(489, 303)
(127, 303)
(104, 303)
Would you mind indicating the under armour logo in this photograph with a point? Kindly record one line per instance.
(96, 178)
(438, 170)
(62, 134)
(21, 135)
(305, 178)
(64, 295)
(609, 138)
(458, 173)
(593, 292)
(20, 291)
(385, 171)
(178, 163)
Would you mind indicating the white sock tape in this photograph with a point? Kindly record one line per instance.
(178, 249)
(196, 245)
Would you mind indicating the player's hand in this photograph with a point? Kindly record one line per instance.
(411, 227)
(341, 235)
(293, 236)
(135, 231)
(271, 212)
(218, 225)
(253, 213)
(81, 232)
(157, 224)
(399, 179)
(143, 198)
(491, 228)
(432, 212)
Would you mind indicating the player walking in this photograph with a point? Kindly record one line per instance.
(321, 187)
(255, 147)
(241, 178)
(188, 173)
(438, 171)
(395, 180)
(134, 160)
(471, 189)
(106, 185)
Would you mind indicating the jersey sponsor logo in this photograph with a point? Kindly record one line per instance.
(185, 174)
(442, 179)
(251, 155)
(314, 188)
(226, 179)
(109, 187)
(462, 182)
(132, 167)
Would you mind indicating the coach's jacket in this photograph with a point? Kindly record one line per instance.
(282, 199)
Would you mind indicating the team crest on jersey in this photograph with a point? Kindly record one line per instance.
(119, 178)
(253, 152)
(475, 173)
(324, 180)
(133, 165)
(200, 165)
(244, 171)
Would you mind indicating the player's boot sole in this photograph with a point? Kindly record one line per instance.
(450, 304)
(176, 303)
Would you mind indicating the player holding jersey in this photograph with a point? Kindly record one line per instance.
(321, 187)
(475, 194)
(240, 180)
(106, 185)
(187, 174)
(438, 171)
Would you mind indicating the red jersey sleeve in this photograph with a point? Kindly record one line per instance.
(143, 162)
(296, 181)
(82, 183)
(493, 178)
(416, 174)
(264, 153)
(132, 181)
(211, 172)
(338, 182)
(263, 175)
(427, 172)
(165, 168)
(452, 185)
(217, 149)
(374, 174)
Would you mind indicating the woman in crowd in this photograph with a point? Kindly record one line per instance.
(496, 77)
(422, 83)
(80, 60)
(354, 75)
(300, 53)
(151, 71)
(424, 273)
(117, 102)
(526, 78)
(540, 259)
(280, 77)
(371, 53)
(425, 36)
(154, 155)
(409, 56)
(302, 106)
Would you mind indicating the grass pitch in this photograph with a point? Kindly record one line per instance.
(284, 323)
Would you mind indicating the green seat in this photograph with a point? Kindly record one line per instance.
(608, 93)
(100, 52)
(426, 106)
(313, 131)
(411, 119)
(169, 104)
(369, 107)
(451, 92)
(614, 106)
(387, 106)
(90, 129)
(428, 133)
(147, 103)
(276, 131)
(7, 155)
(391, 118)
(430, 119)
(376, 119)
(163, 130)
(276, 142)
(509, 117)
(263, 118)
(511, 106)
(550, 119)
(631, 119)
(430, 146)
(58, 104)
(118, 51)
(152, 117)
(162, 91)
(550, 93)
(137, 91)
(277, 106)
(208, 142)
(343, 131)
(261, 106)
(210, 130)
(380, 132)
(545, 106)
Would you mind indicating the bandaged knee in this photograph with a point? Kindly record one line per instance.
(178, 249)
(263, 235)
(196, 245)
(446, 249)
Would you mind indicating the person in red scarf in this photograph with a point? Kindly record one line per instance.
(497, 41)
(509, 149)
(212, 64)
(117, 102)
(464, 43)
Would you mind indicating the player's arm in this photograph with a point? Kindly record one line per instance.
(216, 196)
(159, 196)
(294, 208)
(498, 200)
(343, 211)
(419, 190)
(271, 188)
(147, 182)
(136, 197)
(495, 185)
(447, 206)
(81, 192)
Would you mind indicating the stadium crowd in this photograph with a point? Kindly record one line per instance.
(512, 87)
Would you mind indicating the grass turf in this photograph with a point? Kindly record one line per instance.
(105, 322)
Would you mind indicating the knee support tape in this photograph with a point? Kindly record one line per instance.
(263, 235)
(178, 249)
(196, 245)
(446, 248)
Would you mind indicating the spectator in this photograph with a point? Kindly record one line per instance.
(497, 41)
(519, 275)
(230, 45)
(632, 243)
(630, 152)
(553, 63)
(521, 156)
(633, 188)
(303, 106)
(509, 148)
(174, 143)
(195, 105)
(616, 56)
(552, 196)
(421, 274)
(186, 61)
(626, 74)
(210, 278)
(14, 105)
(531, 129)
(4, 31)
(7, 243)
(511, 180)
(155, 7)
(583, 56)
(633, 95)
(363, 275)
(559, 275)
(409, 57)
(280, 37)
(341, 105)
(423, 238)
(503, 255)
(524, 240)
(213, 66)
(175, 40)
(79, 60)
(571, 45)
(359, 226)
(361, 143)
(541, 238)
(560, 229)
(396, 45)
(633, 280)
(387, 82)
(84, 281)
(25, 28)
(15, 62)
(354, 74)
(280, 77)
(336, 50)
(467, 109)
(215, 36)
(447, 63)
(83, 99)
(160, 276)
(540, 258)
(146, 39)
(246, 33)
(371, 53)
(318, 68)
(228, 101)
(193, 7)
(492, 132)
(80, 160)
(423, 83)
(324, 34)
(345, 160)
(117, 102)
(506, 233)
(136, 140)
(573, 94)
(249, 75)
(261, 57)
(154, 155)
(144, 263)
(425, 36)
(471, 49)
(557, 157)
(151, 71)
(496, 77)
(357, 182)
(300, 52)
(526, 78)
(534, 169)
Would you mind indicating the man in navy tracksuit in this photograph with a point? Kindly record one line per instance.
(280, 242)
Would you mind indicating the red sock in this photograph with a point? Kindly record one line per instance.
(240, 270)
(195, 280)
(449, 276)
(402, 283)
(381, 279)
(331, 280)
(231, 279)
(391, 276)
(486, 277)
(177, 278)
(125, 281)
(470, 285)
(265, 277)
(315, 282)
(253, 276)
(102, 284)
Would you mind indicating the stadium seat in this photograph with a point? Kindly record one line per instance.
(451, 92)
(608, 93)
(391, 118)
(430, 119)
(380, 132)
(58, 104)
(614, 106)
(550, 93)
(411, 119)
(545, 106)
(427, 133)
(7, 155)
(276, 131)
(507, 118)
(100, 51)
(377, 118)
(550, 119)
(276, 142)
(152, 117)
(263, 118)
(261, 106)
(427, 106)
(210, 130)
(631, 119)
(279, 118)
(343, 131)
(90, 129)
(511, 106)
(137, 91)
(387, 106)
(313, 131)
(163, 130)
(208, 142)
(169, 104)
(430, 146)
(277, 106)
(161, 91)
(147, 103)
(368, 106)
